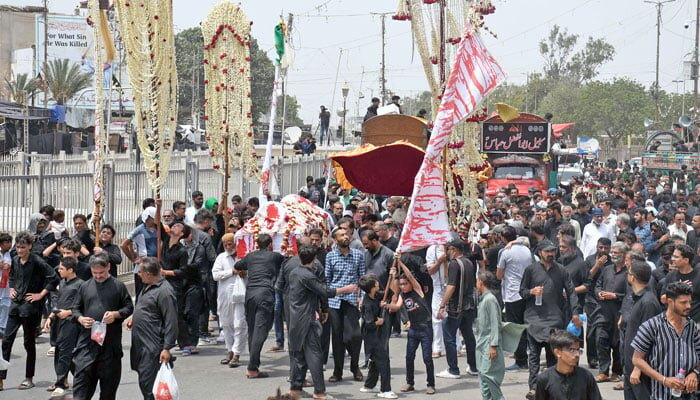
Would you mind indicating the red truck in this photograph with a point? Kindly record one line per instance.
(518, 150)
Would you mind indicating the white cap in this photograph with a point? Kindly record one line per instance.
(148, 212)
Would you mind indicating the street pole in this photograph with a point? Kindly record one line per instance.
(345, 89)
(383, 60)
(694, 69)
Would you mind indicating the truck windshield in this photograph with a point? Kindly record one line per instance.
(514, 172)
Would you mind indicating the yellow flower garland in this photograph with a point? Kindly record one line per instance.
(228, 105)
(149, 40)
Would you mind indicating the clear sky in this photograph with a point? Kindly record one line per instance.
(322, 27)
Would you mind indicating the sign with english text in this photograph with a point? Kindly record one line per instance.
(515, 137)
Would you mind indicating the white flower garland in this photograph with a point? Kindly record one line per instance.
(147, 33)
(228, 105)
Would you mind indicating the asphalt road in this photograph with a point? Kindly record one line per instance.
(201, 377)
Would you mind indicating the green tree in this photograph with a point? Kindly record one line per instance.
(562, 62)
(189, 53)
(21, 88)
(291, 117)
(64, 79)
(613, 109)
(189, 49)
(411, 105)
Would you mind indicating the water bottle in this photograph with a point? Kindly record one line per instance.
(538, 300)
(681, 376)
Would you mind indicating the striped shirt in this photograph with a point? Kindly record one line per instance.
(342, 270)
(666, 351)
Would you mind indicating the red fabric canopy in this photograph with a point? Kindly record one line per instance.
(388, 169)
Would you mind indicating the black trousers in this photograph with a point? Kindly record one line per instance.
(309, 358)
(515, 312)
(148, 368)
(107, 369)
(345, 333)
(535, 349)
(28, 325)
(209, 301)
(326, 340)
(608, 342)
(592, 313)
(66, 337)
(378, 349)
(193, 306)
(259, 314)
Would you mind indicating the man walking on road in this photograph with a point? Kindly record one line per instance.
(154, 326)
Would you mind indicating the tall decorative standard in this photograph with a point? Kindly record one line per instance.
(228, 106)
(149, 40)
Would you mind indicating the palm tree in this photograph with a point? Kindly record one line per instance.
(21, 88)
(64, 79)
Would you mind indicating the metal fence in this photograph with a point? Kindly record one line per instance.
(29, 181)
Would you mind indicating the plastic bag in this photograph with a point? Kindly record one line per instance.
(238, 291)
(98, 332)
(165, 386)
(4, 365)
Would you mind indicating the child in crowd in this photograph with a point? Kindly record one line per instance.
(373, 336)
(57, 224)
(412, 298)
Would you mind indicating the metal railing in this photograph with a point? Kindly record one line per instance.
(29, 181)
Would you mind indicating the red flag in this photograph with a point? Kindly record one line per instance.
(474, 74)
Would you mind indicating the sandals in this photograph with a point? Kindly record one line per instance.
(259, 375)
(407, 388)
(334, 379)
(234, 362)
(225, 361)
(26, 384)
(357, 376)
(275, 349)
(430, 390)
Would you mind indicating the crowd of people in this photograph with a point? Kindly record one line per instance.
(605, 265)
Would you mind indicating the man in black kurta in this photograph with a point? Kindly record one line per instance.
(154, 326)
(102, 298)
(306, 293)
(30, 281)
(263, 267)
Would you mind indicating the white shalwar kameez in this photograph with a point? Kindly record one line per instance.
(231, 315)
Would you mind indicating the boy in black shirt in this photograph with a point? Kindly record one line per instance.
(374, 338)
(420, 332)
(566, 381)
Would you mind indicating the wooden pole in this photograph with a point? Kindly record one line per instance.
(226, 164)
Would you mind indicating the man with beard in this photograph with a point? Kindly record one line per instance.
(642, 229)
(102, 298)
(154, 326)
(566, 213)
(553, 222)
(546, 280)
(378, 258)
(345, 266)
(645, 306)
(660, 342)
(263, 266)
(693, 237)
(575, 266)
(681, 257)
(610, 290)
(660, 238)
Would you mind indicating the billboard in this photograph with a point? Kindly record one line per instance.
(515, 137)
(72, 38)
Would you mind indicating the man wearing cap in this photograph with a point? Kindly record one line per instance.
(458, 310)
(141, 242)
(594, 231)
(546, 279)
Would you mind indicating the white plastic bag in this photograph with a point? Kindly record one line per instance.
(238, 290)
(4, 365)
(165, 386)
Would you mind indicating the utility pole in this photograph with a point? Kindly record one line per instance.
(694, 69)
(659, 4)
(382, 79)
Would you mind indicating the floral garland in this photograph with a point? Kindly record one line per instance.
(149, 40)
(228, 105)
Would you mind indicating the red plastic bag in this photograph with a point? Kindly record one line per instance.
(165, 386)
(98, 332)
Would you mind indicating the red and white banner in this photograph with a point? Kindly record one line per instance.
(474, 74)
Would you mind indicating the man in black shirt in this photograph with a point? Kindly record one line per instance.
(594, 264)
(458, 310)
(611, 290)
(566, 381)
(385, 236)
(682, 255)
(372, 110)
(645, 307)
(154, 326)
(263, 266)
(102, 298)
(30, 281)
